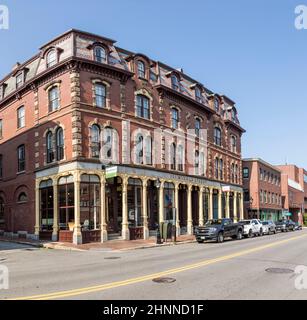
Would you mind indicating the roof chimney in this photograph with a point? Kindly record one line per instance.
(16, 66)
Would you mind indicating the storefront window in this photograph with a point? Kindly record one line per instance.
(206, 205)
(169, 196)
(46, 205)
(66, 203)
(135, 203)
(90, 202)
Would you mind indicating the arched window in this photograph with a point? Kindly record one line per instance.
(175, 82)
(236, 173)
(221, 169)
(108, 143)
(21, 156)
(141, 69)
(95, 141)
(100, 54)
(100, 95)
(22, 197)
(139, 150)
(216, 105)
(49, 147)
(148, 150)
(142, 106)
(233, 142)
(54, 98)
(59, 144)
(180, 158)
(21, 117)
(216, 167)
(196, 162)
(175, 118)
(51, 58)
(197, 127)
(173, 156)
(232, 172)
(217, 136)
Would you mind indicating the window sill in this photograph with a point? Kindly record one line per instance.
(21, 172)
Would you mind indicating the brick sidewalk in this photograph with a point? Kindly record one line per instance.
(116, 245)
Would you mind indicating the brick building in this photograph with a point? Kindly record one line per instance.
(98, 142)
(262, 190)
(294, 191)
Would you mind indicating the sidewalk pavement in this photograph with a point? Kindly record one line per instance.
(112, 245)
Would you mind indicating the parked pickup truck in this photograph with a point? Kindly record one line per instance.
(219, 229)
(285, 225)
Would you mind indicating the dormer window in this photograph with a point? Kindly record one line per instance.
(175, 82)
(51, 58)
(141, 69)
(19, 80)
(1, 92)
(233, 115)
(216, 105)
(100, 54)
(198, 95)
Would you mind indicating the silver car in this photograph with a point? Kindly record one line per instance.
(268, 227)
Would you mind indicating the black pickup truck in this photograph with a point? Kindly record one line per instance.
(219, 229)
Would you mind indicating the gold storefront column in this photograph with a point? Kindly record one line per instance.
(125, 223)
(177, 209)
(55, 210)
(190, 218)
(241, 207)
(161, 202)
(145, 214)
(235, 213)
(37, 209)
(227, 205)
(77, 235)
(200, 206)
(104, 231)
(210, 204)
(220, 204)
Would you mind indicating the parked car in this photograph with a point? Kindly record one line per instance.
(268, 227)
(219, 229)
(285, 225)
(298, 226)
(252, 227)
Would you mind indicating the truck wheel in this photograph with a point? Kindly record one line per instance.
(250, 233)
(261, 232)
(220, 237)
(200, 241)
(239, 235)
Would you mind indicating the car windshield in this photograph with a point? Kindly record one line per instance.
(213, 222)
(245, 222)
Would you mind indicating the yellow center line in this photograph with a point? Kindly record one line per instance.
(116, 284)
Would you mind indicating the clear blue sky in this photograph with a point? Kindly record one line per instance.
(248, 50)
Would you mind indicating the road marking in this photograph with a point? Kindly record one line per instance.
(112, 285)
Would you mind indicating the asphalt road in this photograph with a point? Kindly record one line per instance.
(232, 270)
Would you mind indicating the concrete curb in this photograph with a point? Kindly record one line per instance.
(36, 245)
(66, 248)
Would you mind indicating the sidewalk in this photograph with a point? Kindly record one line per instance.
(112, 245)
